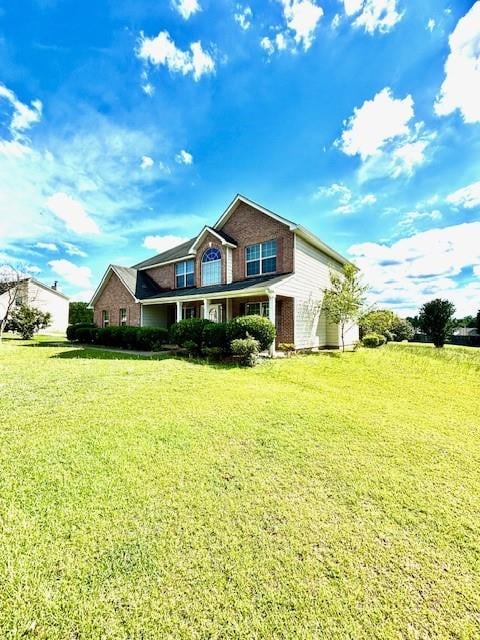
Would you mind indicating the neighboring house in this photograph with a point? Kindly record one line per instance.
(251, 261)
(34, 293)
(466, 332)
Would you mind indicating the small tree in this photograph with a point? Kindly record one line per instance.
(435, 320)
(11, 281)
(344, 300)
(27, 321)
(378, 321)
(79, 313)
(403, 330)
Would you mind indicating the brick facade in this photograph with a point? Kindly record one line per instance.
(113, 298)
(249, 226)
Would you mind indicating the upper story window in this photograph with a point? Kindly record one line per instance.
(185, 274)
(211, 267)
(261, 258)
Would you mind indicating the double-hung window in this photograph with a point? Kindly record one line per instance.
(256, 309)
(105, 318)
(211, 267)
(123, 317)
(261, 258)
(185, 274)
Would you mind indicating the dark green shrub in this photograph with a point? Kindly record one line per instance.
(150, 338)
(373, 340)
(141, 338)
(216, 337)
(73, 328)
(191, 331)
(86, 335)
(256, 327)
(245, 351)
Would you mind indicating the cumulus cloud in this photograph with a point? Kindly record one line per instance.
(411, 217)
(73, 250)
(71, 273)
(146, 162)
(411, 270)
(467, 197)
(184, 157)
(380, 132)
(162, 51)
(373, 15)
(186, 8)
(72, 213)
(23, 116)
(162, 243)
(460, 88)
(243, 17)
(302, 17)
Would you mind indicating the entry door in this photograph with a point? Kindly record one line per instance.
(215, 312)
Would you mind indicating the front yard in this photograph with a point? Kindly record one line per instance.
(325, 496)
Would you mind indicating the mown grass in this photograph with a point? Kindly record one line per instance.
(325, 496)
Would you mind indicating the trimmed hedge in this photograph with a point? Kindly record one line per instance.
(138, 338)
(73, 328)
(216, 337)
(373, 340)
(190, 334)
(256, 327)
(246, 351)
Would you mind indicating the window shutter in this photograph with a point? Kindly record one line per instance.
(242, 308)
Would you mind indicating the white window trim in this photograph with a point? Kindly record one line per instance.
(185, 273)
(105, 317)
(210, 262)
(121, 321)
(265, 304)
(260, 259)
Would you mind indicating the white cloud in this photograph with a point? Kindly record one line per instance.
(346, 201)
(460, 88)
(411, 217)
(148, 88)
(82, 296)
(183, 157)
(302, 17)
(23, 116)
(72, 213)
(162, 50)
(412, 270)
(162, 243)
(408, 156)
(376, 122)
(373, 15)
(73, 250)
(146, 162)
(243, 16)
(268, 45)
(337, 18)
(49, 246)
(71, 273)
(431, 25)
(467, 197)
(32, 268)
(186, 8)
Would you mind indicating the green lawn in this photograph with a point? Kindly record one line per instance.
(324, 496)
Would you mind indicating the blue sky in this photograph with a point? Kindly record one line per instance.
(125, 125)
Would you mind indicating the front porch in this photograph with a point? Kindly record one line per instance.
(221, 308)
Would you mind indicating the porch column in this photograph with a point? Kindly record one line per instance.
(179, 311)
(206, 309)
(272, 300)
(228, 309)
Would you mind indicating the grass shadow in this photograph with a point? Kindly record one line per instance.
(100, 354)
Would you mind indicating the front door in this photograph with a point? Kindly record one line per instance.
(215, 312)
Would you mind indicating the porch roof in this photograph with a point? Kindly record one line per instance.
(242, 288)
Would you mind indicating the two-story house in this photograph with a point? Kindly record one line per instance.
(251, 261)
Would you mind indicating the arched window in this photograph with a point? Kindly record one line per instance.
(211, 267)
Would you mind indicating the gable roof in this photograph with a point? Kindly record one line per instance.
(223, 237)
(170, 255)
(242, 199)
(6, 285)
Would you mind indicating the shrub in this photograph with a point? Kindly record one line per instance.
(141, 338)
(191, 331)
(256, 327)
(216, 337)
(246, 351)
(373, 340)
(287, 347)
(403, 330)
(87, 335)
(389, 336)
(73, 328)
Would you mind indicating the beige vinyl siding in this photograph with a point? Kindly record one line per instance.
(154, 316)
(47, 300)
(229, 264)
(306, 286)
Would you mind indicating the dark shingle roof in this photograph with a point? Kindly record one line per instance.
(224, 235)
(179, 251)
(127, 275)
(217, 288)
